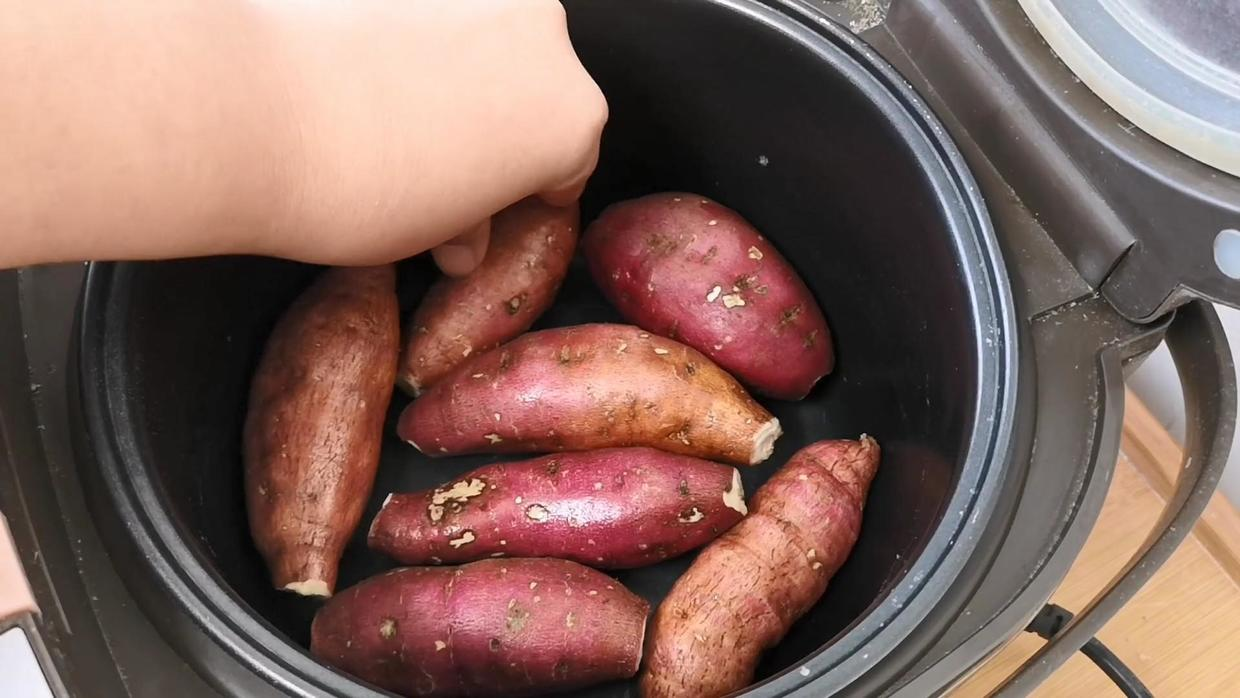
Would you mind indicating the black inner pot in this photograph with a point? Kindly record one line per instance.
(776, 119)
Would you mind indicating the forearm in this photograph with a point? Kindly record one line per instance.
(333, 131)
(135, 129)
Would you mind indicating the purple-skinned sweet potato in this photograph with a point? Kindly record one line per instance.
(531, 246)
(490, 628)
(610, 508)
(688, 268)
(586, 387)
(315, 423)
(745, 589)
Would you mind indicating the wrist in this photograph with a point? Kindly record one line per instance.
(335, 134)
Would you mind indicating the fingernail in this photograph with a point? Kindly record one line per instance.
(455, 260)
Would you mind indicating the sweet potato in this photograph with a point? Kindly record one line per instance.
(746, 588)
(531, 246)
(315, 422)
(611, 508)
(495, 627)
(591, 386)
(685, 267)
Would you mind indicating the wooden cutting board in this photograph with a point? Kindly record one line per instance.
(1181, 634)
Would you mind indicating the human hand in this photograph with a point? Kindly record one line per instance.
(419, 119)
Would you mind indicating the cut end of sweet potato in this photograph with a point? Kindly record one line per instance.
(374, 525)
(408, 384)
(764, 441)
(641, 645)
(734, 496)
(309, 587)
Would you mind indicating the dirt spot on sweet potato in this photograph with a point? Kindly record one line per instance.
(513, 305)
(553, 467)
(387, 628)
(745, 282)
(505, 361)
(710, 255)
(691, 368)
(660, 244)
(684, 488)
(460, 491)
(561, 670)
(568, 356)
(809, 340)
(681, 434)
(789, 315)
(517, 617)
(631, 404)
(537, 512)
(495, 645)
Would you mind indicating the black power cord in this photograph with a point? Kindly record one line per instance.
(1051, 619)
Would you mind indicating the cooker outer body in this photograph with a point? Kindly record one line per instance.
(173, 570)
(104, 642)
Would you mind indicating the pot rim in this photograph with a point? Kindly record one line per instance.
(198, 589)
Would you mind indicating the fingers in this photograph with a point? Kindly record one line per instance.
(570, 190)
(579, 137)
(463, 253)
(406, 150)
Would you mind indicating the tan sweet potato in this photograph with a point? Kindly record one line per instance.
(531, 246)
(745, 589)
(315, 422)
(591, 386)
(685, 267)
(490, 628)
(610, 508)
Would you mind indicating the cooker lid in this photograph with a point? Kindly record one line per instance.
(1173, 69)
(1146, 225)
(1150, 117)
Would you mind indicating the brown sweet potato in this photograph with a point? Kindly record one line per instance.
(591, 386)
(610, 508)
(746, 588)
(685, 267)
(315, 422)
(495, 627)
(531, 246)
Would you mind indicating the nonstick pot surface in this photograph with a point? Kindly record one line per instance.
(725, 99)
